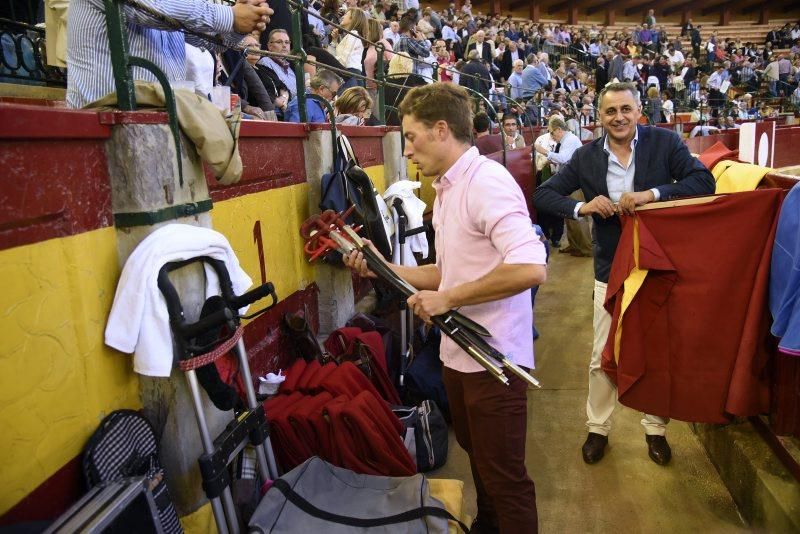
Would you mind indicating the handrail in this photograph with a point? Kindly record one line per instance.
(295, 4)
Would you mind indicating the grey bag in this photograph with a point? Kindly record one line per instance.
(316, 496)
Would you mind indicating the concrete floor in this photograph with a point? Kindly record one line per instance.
(626, 491)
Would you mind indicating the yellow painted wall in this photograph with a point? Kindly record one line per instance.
(375, 174)
(58, 378)
(280, 211)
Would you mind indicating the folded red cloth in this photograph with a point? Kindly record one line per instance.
(293, 374)
(716, 153)
(694, 343)
(311, 369)
(366, 441)
(315, 382)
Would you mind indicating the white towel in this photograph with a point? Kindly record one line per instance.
(139, 322)
(414, 209)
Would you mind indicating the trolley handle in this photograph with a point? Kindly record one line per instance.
(264, 290)
(206, 324)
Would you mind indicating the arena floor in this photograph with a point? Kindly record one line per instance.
(626, 491)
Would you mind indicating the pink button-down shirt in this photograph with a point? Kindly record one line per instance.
(481, 220)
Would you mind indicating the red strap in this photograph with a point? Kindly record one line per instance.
(204, 359)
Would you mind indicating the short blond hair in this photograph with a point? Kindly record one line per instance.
(441, 102)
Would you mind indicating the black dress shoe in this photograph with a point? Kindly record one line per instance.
(479, 527)
(658, 449)
(594, 448)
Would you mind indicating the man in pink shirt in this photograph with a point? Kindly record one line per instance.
(488, 258)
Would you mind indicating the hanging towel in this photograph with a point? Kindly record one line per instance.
(414, 209)
(139, 322)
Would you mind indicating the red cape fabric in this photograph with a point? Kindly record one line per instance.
(293, 374)
(346, 340)
(716, 153)
(367, 439)
(694, 341)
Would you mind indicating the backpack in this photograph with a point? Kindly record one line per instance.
(430, 434)
(423, 379)
(124, 445)
(348, 185)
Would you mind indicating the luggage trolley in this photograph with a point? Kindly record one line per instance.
(248, 427)
(406, 315)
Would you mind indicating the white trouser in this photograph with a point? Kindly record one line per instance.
(602, 391)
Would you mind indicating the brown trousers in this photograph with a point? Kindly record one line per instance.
(490, 420)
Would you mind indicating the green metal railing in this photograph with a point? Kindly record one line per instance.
(122, 63)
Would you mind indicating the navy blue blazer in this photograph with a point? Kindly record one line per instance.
(662, 161)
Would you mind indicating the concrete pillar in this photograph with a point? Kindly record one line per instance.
(534, 11)
(572, 13)
(611, 16)
(336, 296)
(725, 15)
(144, 178)
(686, 14)
(395, 166)
(763, 15)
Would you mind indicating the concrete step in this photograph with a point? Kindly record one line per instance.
(767, 496)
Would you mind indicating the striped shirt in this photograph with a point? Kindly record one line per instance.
(89, 58)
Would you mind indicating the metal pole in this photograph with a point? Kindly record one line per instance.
(266, 459)
(381, 83)
(299, 72)
(208, 446)
(435, 66)
(118, 48)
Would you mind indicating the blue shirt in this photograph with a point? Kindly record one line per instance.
(89, 58)
(448, 33)
(314, 111)
(515, 81)
(532, 81)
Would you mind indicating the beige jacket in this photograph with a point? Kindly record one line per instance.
(55, 20)
(216, 140)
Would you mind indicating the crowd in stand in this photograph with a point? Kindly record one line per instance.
(531, 70)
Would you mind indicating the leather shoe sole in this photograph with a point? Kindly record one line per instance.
(658, 449)
(594, 448)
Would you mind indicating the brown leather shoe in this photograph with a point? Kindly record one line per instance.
(594, 448)
(304, 340)
(658, 449)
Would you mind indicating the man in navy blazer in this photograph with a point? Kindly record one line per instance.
(630, 166)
